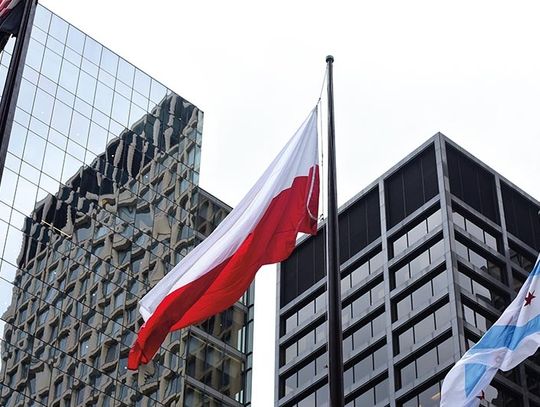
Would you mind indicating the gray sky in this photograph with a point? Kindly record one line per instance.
(403, 71)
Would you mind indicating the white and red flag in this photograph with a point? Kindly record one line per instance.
(261, 230)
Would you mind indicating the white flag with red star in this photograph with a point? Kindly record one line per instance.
(513, 338)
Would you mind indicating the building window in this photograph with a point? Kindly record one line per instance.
(522, 258)
(305, 343)
(411, 186)
(372, 396)
(359, 225)
(419, 263)
(359, 305)
(423, 329)
(478, 232)
(472, 183)
(415, 233)
(364, 367)
(480, 261)
(361, 272)
(483, 290)
(425, 363)
(364, 333)
(476, 319)
(430, 397)
(421, 295)
(304, 375)
(304, 314)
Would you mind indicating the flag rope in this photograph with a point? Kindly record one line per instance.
(321, 138)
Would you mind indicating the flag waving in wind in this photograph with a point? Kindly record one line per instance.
(513, 338)
(261, 230)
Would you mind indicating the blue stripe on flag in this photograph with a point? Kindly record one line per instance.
(473, 374)
(507, 336)
(536, 269)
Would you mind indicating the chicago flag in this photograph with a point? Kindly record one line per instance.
(513, 338)
(261, 230)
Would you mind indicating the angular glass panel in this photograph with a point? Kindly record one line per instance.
(106, 78)
(123, 89)
(12, 248)
(126, 72)
(97, 139)
(42, 18)
(34, 54)
(142, 83)
(157, 92)
(109, 61)
(25, 196)
(58, 28)
(26, 96)
(33, 151)
(55, 45)
(8, 186)
(61, 118)
(86, 87)
(31, 74)
(17, 139)
(80, 126)
(53, 162)
(120, 110)
(104, 98)
(92, 50)
(73, 57)
(75, 39)
(47, 85)
(90, 67)
(57, 139)
(30, 173)
(82, 107)
(71, 167)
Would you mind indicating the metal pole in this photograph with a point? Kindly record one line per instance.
(335, 342)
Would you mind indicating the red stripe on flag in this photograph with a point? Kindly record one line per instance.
(271, 241)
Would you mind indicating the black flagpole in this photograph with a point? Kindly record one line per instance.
(335, 350)
(9, 94)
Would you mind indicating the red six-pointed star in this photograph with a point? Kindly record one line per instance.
(530, 296)
(482, 396)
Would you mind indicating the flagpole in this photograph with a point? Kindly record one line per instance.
(335, 342)
(12, 82)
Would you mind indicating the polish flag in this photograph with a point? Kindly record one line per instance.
(261, 230)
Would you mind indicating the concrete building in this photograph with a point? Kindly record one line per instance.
(99, 199)
(431, 253)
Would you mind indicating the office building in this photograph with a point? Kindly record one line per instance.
(99, 199)
(431, 254)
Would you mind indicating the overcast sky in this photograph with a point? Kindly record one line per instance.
(403, 71)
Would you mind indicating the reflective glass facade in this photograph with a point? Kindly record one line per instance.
(431, 254)
(99, 199)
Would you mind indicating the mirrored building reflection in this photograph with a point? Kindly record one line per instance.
(431, 254)
(99, 199)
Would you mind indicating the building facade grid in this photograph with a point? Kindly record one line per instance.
(99, 198)
(431, 254)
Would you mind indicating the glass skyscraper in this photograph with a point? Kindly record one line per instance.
(431, 254)
(99, 198)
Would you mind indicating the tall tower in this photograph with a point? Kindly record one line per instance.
(431, 254)
(99, 199)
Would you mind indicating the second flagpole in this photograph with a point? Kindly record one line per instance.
(335, 350)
